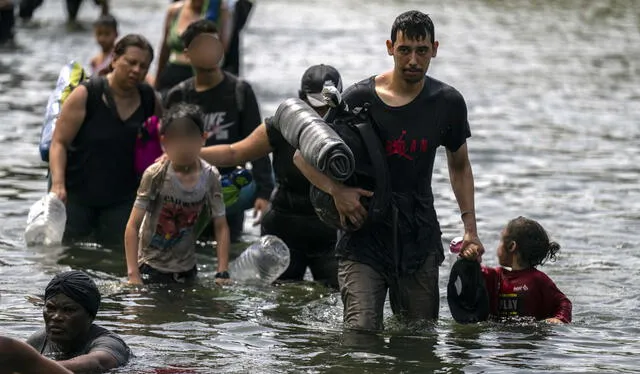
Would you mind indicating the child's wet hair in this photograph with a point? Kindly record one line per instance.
(106, 20)
(203, 26)
(176, 114)
(533, 245)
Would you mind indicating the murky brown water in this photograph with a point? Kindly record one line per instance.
(553, 90)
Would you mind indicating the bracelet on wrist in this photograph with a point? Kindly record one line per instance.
(222, 275)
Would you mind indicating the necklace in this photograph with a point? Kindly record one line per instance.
(183, 168)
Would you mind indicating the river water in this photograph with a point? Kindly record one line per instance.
(553, 90)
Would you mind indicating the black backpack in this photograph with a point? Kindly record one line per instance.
(359, 132)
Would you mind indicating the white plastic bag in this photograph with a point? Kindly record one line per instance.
(46, 221)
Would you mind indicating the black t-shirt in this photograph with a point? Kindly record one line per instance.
(99, 339)
(292, 195)
(224, 122)
(411, 135)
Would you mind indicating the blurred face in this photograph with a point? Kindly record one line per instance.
(106, 37)
(182, 142)
(65, 320)
(411, 57)
(131, 68)
(205, 52)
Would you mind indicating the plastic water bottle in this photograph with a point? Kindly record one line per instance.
(262, 262)
(454, 248)
(46, 221)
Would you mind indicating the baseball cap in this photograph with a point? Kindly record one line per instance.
(467, 293)
(314, 79)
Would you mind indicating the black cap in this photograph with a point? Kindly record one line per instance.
(467, 292)
(314, 79)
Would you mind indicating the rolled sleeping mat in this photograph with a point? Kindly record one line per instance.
(371, 172)
(318, 143)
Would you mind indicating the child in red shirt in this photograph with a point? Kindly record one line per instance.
(524, 291)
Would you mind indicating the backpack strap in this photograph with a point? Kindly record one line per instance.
(94, 93)
(240, 91)
(382, 193)
(147, 100)
(158, 179)
(185, 87)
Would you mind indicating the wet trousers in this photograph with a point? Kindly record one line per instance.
(364, 290)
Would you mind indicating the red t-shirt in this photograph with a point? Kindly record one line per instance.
(525, 293)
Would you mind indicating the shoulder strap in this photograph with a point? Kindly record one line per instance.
(185, 87)
(381, 169)
(94, 93)
(158, 180)
(240, 88)
(147, 100)
(209, 193)
(38, 340)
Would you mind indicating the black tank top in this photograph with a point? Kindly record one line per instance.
(100, 161)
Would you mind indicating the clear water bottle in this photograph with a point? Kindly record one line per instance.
(46, 221)
(262, 262)
(454, 248)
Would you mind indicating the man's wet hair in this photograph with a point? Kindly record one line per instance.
(177, 115)
(106, 20)
(203, 26)
(415, 25)
(533, 245)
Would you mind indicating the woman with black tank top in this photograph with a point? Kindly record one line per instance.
(291, 217)
(93, 145)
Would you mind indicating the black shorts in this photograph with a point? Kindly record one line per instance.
(152, 275)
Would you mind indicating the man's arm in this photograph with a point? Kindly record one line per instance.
(220, 225)
(461, 177)
(254, 146)
(262, 171)
(19, 357)
(93, 362)
(346, 199)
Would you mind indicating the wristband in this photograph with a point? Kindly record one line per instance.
(222, 275)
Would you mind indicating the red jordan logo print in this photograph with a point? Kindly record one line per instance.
(399, 146)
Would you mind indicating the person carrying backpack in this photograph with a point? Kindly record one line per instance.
(230, 109)
(92, 155)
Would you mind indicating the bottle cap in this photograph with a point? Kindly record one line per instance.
(456, 244)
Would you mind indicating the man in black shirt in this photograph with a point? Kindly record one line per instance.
(414, 114)
(229, 105)
(70, 336)
(291, 217)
